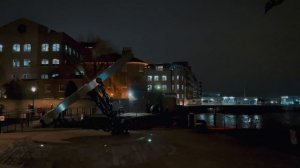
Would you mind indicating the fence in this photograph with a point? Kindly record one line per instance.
(22, 119)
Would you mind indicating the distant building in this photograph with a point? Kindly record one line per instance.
(129, 77)
(173, 79)
(35, 55)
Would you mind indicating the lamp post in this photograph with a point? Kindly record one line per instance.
(33, 90)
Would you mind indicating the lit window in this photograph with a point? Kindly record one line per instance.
(159, 68)
(156, 78)
(149, 88)
(66, 48)
(149, 78)
(177, 87)
(55, 61)
(1, 48)
(173, 87)
(182, 87)
(182, 78)
(177, 77)
(27, 62)
(172, 78)
(55, 75)
(157, 87)
(164, 87)
(177, 96)
(16, 48)
(74, 52)
(45, 62)
(45, 47)
(44, 76)
(56, 47)
(81, 72)
(164, 78)
(61, 88)
(27, 47)
(16, 63)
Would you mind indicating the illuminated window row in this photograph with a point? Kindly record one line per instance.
(45, 47)
(55, 61)
(178, 87)
(16, 63)
(46, 76)
(17, 47)
(157, 87)
(157, 78)
(178, 77)
(55, 47)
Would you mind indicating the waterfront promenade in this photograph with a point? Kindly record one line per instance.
(173, 148)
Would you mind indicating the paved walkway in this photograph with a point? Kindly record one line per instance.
(171, 148)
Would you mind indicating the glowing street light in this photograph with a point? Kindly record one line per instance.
(33, 90)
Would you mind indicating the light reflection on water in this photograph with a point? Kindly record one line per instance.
(231, 120)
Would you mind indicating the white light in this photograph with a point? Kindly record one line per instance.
(33, 89)
(41, 145)
(225, 97)
(131, 95)
(245, 99)
(158, 87)
(149, 140)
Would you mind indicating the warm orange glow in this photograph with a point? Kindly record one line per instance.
(138, 63)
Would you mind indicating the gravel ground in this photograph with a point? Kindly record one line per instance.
(151, 148)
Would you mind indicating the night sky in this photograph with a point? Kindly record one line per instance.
(230, 44)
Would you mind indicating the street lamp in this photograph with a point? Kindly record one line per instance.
(33, 90)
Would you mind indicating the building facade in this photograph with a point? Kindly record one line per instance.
(173, 79)
(34, 55)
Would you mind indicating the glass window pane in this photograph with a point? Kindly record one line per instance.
(27, 48)
(55, 61)
(27, 62)
(56, 47)
(45, 62)
(16, 63)
(45, 47)
(16, 48)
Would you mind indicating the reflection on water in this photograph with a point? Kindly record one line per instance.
(250, 121)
